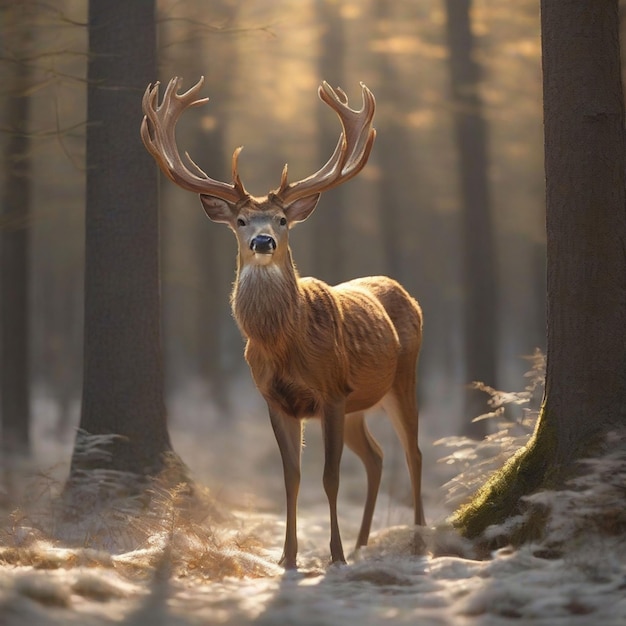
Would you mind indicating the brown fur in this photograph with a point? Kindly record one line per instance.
(325, 342)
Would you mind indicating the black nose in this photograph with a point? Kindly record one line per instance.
(263, 244)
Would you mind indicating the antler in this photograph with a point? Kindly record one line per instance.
(352, 151)
(158, 134)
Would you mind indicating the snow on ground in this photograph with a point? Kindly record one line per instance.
(384, 584)
(218, 566)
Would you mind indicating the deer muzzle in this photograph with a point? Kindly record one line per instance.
(263, 244)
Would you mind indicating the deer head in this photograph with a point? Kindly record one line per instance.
(261, 224)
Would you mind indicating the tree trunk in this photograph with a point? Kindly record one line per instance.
(215, 284)
(123, 371)
(585, 393)
(14, 234)
(396, 166)
(479, 257)
(329, 261)
(586, 220)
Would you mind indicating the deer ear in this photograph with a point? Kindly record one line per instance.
(300, 209)
(217, 209)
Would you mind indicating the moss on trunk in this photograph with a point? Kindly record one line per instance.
(541, 464)
(499, 498)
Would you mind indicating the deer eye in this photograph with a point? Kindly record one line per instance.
(283, 221)
(241, 222)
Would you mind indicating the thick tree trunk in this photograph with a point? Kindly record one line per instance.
(14, 235)
(123, 372)
(586, 220)
(479, 258)
(585, 394)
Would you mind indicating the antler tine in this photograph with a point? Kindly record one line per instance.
(356, 124)
(158, 132)
(352, 150)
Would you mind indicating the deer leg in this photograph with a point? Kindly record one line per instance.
(332, 429)
(288, 432)
(401, 406)
(359, 439)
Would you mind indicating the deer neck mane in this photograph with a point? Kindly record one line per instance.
(266, 301)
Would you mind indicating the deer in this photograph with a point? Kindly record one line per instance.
(314, 350)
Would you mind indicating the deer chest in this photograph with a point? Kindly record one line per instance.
(291, 397)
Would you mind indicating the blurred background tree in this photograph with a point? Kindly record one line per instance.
(329, 260)
(480, 304)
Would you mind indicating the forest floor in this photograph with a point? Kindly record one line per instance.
(216, 564)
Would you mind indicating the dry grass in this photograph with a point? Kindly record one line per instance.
(105, 521)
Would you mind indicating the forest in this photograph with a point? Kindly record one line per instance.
(494, 193)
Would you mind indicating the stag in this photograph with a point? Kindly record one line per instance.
(314, 350)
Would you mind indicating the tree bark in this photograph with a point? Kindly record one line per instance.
(585, 159)
(123, 371)
(479, 257)
(586, 219)
(15, 235)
